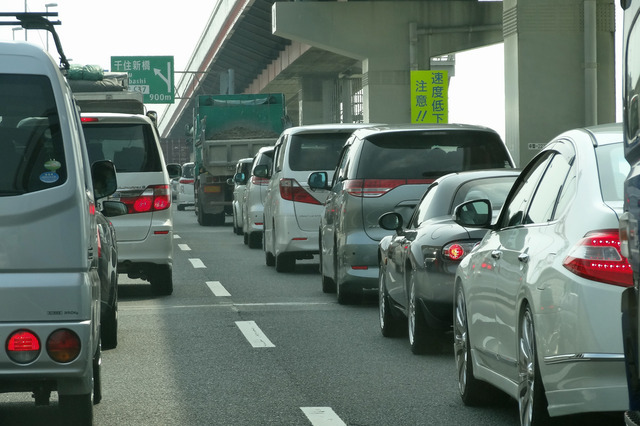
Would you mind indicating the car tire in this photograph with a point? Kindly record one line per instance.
(472, 391)
(218, 219)
(269, 259)
(422, 338)
(77, 409)
(97, 375)
(328, 284)
(345, 296)
(285, 262)
(109, 324)
(180, 207)
(390, 324)
(532, 401)
(245, 238)
(255, 240)
(161, 279)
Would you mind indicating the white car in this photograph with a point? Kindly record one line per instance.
(185, 196)
(145, 234)
(253, 199)
(537, 302)
(239, 182)
(291, 210)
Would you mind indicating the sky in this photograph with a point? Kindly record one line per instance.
(91, 32)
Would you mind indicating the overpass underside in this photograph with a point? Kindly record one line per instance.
(345, 61)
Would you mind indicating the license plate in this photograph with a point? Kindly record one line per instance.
(212, 188)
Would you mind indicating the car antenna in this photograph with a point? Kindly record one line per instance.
(38, 21)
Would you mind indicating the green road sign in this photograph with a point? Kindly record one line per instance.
(150, 75)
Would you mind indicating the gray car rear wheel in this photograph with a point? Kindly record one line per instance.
(390, 325)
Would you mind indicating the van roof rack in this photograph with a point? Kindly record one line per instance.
(37, 21)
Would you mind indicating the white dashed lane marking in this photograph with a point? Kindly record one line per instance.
(322, 416)
(184, 247)
(254, 335)
(218, 289)
(197, 263)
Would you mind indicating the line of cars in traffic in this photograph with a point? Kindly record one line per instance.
(521, 269)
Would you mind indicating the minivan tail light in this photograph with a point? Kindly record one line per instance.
(63, 345)
(372, 188)
(597, 257)
(185, 180)
(153, 198)
(23, 346)
(291, 190)
(259, 180)
(89, 120)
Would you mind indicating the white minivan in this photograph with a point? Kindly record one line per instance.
(49, 283)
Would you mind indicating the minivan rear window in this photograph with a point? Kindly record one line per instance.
(430, 154)
(130, 146)
(31, 147)
(316, 151)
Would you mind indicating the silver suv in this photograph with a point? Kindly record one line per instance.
(291, 211)
(145, 234)
(385, 169)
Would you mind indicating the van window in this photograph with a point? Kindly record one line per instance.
(130, 146)
(316, 151)
(31, 147)
(430, 154)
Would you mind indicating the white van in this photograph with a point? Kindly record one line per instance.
(49, 284)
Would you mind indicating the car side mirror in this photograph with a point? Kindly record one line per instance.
(261, 171)
(391, 221)
(318, 180)
(474, 213)
(239, 178)
(111, 208)
(174, 170)
(103, 174)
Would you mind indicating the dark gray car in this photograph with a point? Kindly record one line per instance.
(382, 169)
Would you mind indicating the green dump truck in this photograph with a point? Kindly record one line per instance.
(226, 129)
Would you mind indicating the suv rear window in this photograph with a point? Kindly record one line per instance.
(130, 146)
(31, 148)
(430, 154)
(316, 151)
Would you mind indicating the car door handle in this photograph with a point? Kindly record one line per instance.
(523, 257)
(496, 254)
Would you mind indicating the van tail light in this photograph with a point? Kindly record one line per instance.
(597, 257)
(185, 180)
(291, 190)
(153, 198)
(63, 345)
(23, 346)
(372, 188)
(255, 180)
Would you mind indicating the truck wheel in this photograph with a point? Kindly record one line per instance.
(161, 280)
(109, 324)
(217, 219)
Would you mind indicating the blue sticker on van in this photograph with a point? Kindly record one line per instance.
(49, 177)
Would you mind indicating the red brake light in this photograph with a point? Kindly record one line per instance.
(23, 346)
(153, 198)
(88, 119)
(456, 252)
(597, 257)
(259, 180)
(185, 180)
(291, 190)
(63, 345)
(371, 188)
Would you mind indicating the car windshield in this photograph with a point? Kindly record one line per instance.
(316, 151)
(430, 154)
(31, 148)
(613, 169)
(130, 146)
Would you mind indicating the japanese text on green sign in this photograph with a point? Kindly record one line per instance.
(429, 97)
(150, 75)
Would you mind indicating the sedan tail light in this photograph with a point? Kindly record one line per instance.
(372, 188)
(457, 250)
(153, 198)
(291, 190)
(23, 347)
(597, 257)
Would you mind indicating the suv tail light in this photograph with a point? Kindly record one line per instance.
(23, 346)
(153, 198)
(63, 345)
(259, 180)
(597, 257)
(291, 190)
(371, 188)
